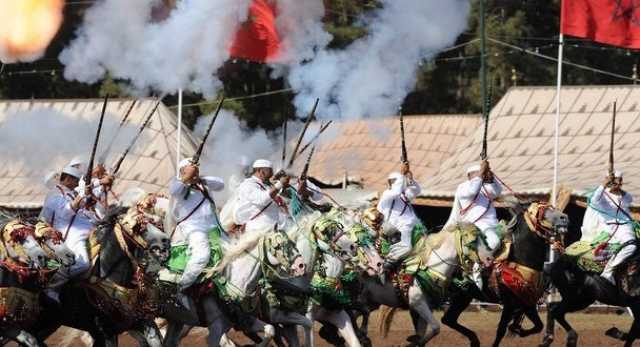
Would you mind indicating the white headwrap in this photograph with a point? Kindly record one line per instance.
(473, 168)
(262, 163)
(72, 171)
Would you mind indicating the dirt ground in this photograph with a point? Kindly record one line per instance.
(591, 328)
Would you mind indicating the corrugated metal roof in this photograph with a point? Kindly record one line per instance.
(521, 131)
(150, 165)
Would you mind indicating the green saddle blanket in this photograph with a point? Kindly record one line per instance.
(180, 254)
(592, 256)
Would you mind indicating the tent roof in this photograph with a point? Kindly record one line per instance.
(150, 165)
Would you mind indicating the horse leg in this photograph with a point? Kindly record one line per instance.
(534, 317)
(559, 312)
(22, 337)
(419, 305)
(268, 331)
(340, 319)
(172, 336)
(505, 318)
(634, 331)
(152, 335)
(216, 330)
(450, 318)
(290, 334)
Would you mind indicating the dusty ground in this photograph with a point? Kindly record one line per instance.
(591, 328)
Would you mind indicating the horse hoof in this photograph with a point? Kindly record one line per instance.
(572, 338)
(546, 341)
(616, 334)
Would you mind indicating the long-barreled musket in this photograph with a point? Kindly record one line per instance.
(118, 163)
(196, 157)
(403, 156)
(94, 148)
(315, 137)
(613, 135)
(284, 144)
(311, 116)
(106, 152)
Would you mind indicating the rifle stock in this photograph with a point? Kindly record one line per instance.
(403, 157)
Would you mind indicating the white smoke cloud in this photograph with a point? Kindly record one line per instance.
(230, 147)
(182, 51)
(373, 75)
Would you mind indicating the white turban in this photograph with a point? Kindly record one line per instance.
(616, 174)
(184, 162)
(473, 168)
(72, 171)
(262, 163)
(394, 176)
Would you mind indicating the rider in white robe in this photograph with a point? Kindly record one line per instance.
(612, 205)
(195, 212)
(473, 203)
(70, 213)
(258, 205)
(395, 205)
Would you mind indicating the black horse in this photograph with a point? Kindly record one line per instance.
(115, 297)
(530, 239)
(580, 289)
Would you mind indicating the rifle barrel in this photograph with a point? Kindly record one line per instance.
(613, 134)
(116, 166)
(196, 157)
(315, 137)
(94, 148)
(304, 130)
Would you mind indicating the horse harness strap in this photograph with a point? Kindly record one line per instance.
(187, 216)
(482, 191)
(120, 237)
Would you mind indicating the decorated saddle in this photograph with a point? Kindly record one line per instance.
(592, 256)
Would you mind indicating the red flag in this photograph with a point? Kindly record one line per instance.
(614, 22)
(257, 39)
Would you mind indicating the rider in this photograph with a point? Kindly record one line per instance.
(612, 206)
(258, 202)
(195, 212)
(473, 203)
(395, 205)
(70, 213)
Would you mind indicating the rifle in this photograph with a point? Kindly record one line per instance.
(196, 157)
(284, 144)
(305, 170)
(613, 134)
(113, 138)
(315, 137)
(403, 156)
(87, 176)
(304, 130)
(116, 166)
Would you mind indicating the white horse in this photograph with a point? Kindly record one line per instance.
(325, 246)
(241, 269)
(442, 261)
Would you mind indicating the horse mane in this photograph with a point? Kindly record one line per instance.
(244, 245)
(112, 215)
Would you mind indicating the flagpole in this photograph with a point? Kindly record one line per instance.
(556, 147)
(553, 296)
(179, 139)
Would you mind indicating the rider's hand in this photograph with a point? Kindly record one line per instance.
(285, 180)
(75, 203)
(405, 169)
(107, 180)
(608, 180)
(99, 171)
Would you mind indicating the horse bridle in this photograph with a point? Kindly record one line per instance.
(536, 221)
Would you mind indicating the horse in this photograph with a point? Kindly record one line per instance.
(227, 296)
(118, 295)
(515, 279)
(580, 288)
(26, 253)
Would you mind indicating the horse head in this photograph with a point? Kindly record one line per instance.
(331, 238)
(547, 222)
(52, 242)
(19, 244)
(282, 256)
(367, 259)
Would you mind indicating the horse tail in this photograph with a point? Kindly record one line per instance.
(244, 245)
(386, 318)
